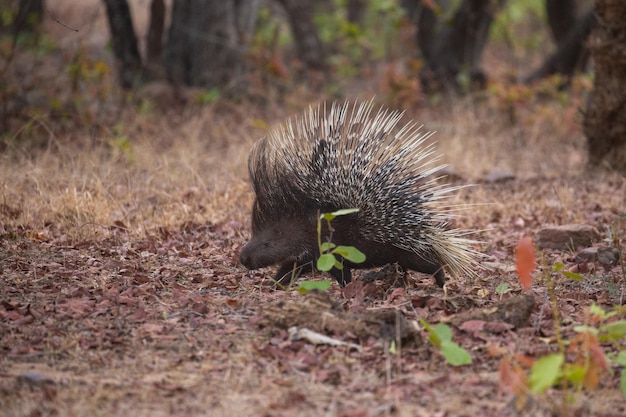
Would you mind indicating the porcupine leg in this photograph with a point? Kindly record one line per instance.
(420, 264)
(342, 276)
(433, 269)
(440, 277)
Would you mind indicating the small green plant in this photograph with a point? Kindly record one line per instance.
(208, 97)
(331, 255)
(440, 337)
(580, 362)
(559, 267)
(502, 289)
(306, 286)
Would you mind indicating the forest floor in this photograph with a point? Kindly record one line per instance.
(121, 292)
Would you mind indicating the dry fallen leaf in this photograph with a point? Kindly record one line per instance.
(525, 261)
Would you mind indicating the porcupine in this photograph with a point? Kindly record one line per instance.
(352, 158)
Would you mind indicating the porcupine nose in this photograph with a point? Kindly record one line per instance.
(244, 257)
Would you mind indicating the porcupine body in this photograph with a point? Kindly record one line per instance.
(352, 157)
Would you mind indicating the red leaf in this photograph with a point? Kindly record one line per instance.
(397, 293)
(473, 326)
(513, 379)
(525, 261)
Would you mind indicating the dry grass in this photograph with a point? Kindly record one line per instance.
(148, 159)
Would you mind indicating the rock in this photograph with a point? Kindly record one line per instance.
(514, 311)
(608, 257)
(586, 255)
(450, 174)
(499, 175)
(566, 237)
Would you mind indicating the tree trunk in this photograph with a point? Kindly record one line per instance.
(207, 41)
(355, 9)
(452, 47)
(571, 54)
(154, 39)
(309, 47)
(561, 17)
(29, 16)
(605, 118)
(124, 41)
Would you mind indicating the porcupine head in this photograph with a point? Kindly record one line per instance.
(351, 158)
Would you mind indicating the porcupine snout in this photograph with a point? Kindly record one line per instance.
(260, 252)
(278, 240)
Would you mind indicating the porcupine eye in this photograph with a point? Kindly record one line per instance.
(272, 238)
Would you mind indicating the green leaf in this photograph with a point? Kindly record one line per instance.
(209, 96)
(343, 212)
(326, 262)
(557, 267)
(427, 326)
(621, 358)
(623, 382)
(331, 216)
(455, 354)
(584, 329)
(575, 374)
(599, 312)
(306, 286)
(432, 336)
(573, 275)
(327, 246)
(545, 372)
(502, 288)
(443, 332)
(393, 348)
(350, 253)
(596, 310)
(614, 330)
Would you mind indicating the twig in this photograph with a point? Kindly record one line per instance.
(57, 20)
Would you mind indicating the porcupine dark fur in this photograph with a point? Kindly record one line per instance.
(352, 158)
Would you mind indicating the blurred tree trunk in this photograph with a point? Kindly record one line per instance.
(605, 118)
(355, 10)
(452, 42)
(154, 39)
(205, 46)
(130, 69)
(207, 41)
(571, 54)
(309, 47)
(29, 16)
(561, 17)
